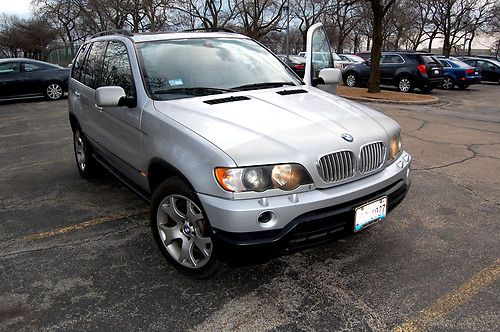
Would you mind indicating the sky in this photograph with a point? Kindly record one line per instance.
(17, 7)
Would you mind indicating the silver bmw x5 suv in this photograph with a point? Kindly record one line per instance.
(240, 159)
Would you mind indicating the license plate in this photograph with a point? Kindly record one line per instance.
(370, 213)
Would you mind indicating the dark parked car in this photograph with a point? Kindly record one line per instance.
(30, 78)
(490, 69)
(405, 70)
(295, 62)
(458, 73)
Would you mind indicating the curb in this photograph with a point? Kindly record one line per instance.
(435, 100)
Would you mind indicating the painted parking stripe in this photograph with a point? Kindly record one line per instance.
(85, 224)
(451, 301)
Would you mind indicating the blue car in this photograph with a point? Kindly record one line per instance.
(458, 73)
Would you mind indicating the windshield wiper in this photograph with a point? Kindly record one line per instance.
(263, 85)
(195, 91)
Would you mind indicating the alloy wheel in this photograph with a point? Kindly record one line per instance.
(182, 230)
(447, 83)
(351, 80)
(80, 151)
(404, 85)
(54, 91)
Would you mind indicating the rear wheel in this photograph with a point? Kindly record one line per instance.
(405, 84)
(54, 91)
(182, 231)
(448, 83)
(351, 80)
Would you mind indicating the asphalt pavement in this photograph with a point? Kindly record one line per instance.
(78, 255)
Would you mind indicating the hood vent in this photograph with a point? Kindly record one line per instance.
(225, 100)
(291, 92)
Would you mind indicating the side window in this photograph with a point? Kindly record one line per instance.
(116, 69)
(78, 64)
(9, 67)
(92, 67)
(483, 64)
(29, 67)
(444, 63)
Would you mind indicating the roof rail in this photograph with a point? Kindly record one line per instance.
(211, 30)
(113, 32)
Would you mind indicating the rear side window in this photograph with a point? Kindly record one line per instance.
(92, 66)
(78, 64)
(391, 58)
(428, 59)
(444, 63)
(116, 68)
(10, 67)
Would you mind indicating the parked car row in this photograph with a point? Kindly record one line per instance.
(404, 70)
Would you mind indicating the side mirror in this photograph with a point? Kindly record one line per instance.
(330, 75)
(368, 62)
(109, 96)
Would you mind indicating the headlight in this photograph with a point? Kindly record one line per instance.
(260, 178)
(395, 146)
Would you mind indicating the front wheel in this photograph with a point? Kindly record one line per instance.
(405, 85)
(182, 231)
(83, 155)
(351, 80)
(54, 91)
(448, 83)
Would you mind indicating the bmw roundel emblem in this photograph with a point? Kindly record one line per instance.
(347, 137)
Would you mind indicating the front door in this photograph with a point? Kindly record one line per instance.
(10, 80)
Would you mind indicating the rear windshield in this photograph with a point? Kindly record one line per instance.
(429, 59)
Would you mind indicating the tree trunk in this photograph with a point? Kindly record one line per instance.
(378, 13)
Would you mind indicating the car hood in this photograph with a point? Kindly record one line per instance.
(271, 127)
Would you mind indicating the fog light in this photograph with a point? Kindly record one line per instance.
(267, 219)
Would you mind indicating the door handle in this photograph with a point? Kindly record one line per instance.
(77, 93)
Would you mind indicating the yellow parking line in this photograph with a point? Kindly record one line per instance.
(451, 301)
(72, 228)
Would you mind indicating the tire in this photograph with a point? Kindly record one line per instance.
(448, 83)
(351, 80)
(182, 231)
(462, 86)
(405, 84)
(54, 91)
(83, 155)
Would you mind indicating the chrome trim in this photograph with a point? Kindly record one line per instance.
(372, 157)
(337, 166)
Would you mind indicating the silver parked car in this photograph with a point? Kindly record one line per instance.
(239, 158)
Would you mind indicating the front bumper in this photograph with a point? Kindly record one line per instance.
(321, 213)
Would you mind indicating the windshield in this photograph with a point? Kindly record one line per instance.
(355, 58)
(336, 57)
(173, 69)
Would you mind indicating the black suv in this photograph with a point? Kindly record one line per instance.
(405, 70)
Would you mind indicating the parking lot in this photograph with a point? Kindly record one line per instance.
(78, 255)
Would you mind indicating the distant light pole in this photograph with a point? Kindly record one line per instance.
(287, 29)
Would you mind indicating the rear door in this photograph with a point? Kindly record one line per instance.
(487, 70)
(10, 80)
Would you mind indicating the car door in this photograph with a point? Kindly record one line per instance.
(10, 80)
(487, 73)
(33, 77)
(120, 127)
(389, 63)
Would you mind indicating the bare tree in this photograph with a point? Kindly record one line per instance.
(379, 9)
(259, 17)
(307, 13)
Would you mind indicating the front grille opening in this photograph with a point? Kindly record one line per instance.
(372, 157)
(336, 167)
